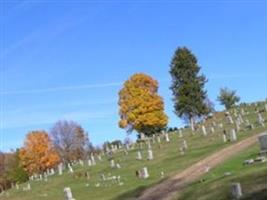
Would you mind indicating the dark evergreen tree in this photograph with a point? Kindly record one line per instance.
(189, 95)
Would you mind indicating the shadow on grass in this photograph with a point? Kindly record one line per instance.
(259, 195)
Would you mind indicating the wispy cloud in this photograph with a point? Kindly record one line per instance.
(58, 89)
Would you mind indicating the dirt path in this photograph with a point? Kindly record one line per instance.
(168, 189)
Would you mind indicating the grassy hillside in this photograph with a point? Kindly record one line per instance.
(253, 179)
(167, 159)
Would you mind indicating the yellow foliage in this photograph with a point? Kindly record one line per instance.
(38, 153)
(141, 108)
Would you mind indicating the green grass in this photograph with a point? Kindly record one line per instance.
(253, 179)
(167, 159)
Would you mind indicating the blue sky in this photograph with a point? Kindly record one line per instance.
(68, 59)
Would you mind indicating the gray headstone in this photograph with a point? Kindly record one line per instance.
(263, 142)
(236, 190)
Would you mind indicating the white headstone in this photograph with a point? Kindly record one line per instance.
(93, 160)
(260, 120)
(212, 130)
(237, 126)
(28, 186)
(145, 173)
(68, 194)
(45, 178)
(52, 171)
(180, 133)
(70, 169)
(60, 169)
(150, 155)
(158, 139)
(233, 135)
(118, 166)
(167, 137)
(185, 146)
(81, 163)
(112, 163)
(204, 131)
(89, 162)
(139, 155)
(148, 145)
(142, 136)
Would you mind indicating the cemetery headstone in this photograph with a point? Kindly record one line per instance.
(167, 137)
(68, 194)
(150, 154)
(145, 173)
(60, 169)
(204, 131)
(263, 142)
(236, 190)
(212, 130)
(89, 162)
(185, 146)
(260, 120)
(70, 168)
(139, 155)
(112, 163)
(180, 133)
(118, 166)
(233, 135)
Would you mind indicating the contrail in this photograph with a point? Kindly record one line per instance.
(58, 89)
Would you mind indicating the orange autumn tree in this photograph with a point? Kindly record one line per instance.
(141, 108)
(38, 153)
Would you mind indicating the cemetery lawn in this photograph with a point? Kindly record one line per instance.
(253, 179)
(167, 159)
